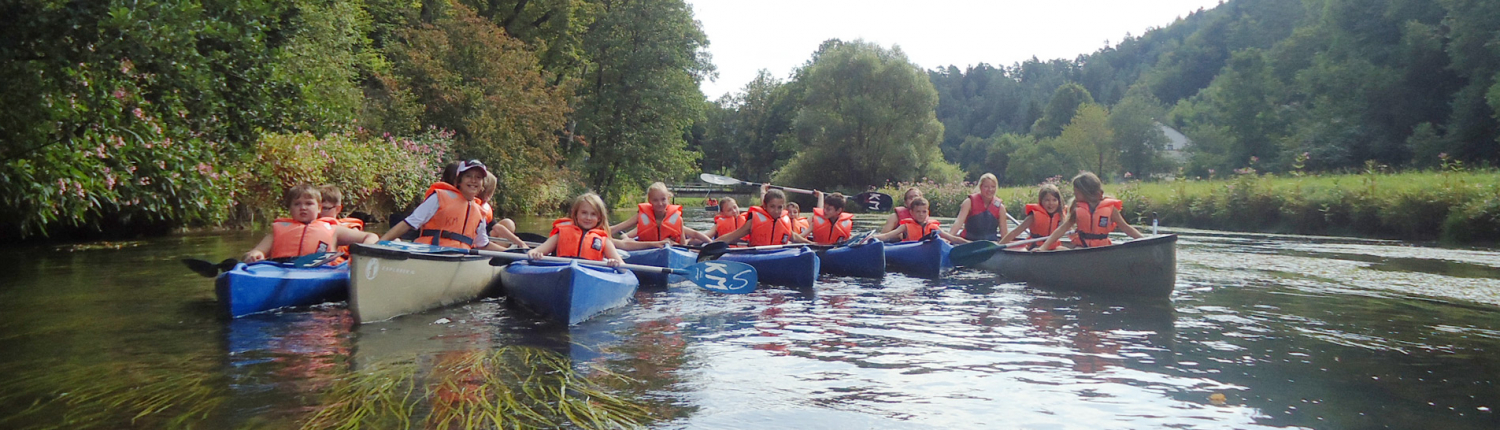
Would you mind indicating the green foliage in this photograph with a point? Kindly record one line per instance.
(1137, 136)
(866, 118)
(744, 129)
(371, 173)
(1064, 104)
(1087, 142)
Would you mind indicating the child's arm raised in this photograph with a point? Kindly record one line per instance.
(1025, 224)
(543, 249)
(1120, 220)
(259, 251)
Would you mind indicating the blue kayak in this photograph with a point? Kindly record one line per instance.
(266, 285)
(670, 257)
(789, 267)
(567, 292)
(927, 259)
(866, 261)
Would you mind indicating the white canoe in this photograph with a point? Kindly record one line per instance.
(389, 279)
(1143, 267)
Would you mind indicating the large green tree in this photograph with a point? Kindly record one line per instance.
(1060, 109)
(866, 118)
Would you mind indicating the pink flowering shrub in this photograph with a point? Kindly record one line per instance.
(374, 174)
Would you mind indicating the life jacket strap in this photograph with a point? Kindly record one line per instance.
(1093, 236)
(445, 234)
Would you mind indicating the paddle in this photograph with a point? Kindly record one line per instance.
(977, 252)
(210, 270)
(874, 201)
(714, 250)
(728, 277)
(883, 200)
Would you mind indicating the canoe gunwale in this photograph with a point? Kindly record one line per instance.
(1137, 243)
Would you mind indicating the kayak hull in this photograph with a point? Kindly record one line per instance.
(671, 257)
(263, 286)
(926, 259)
(865, 261)
(790, 267)
(1143, 267)
(567, 293)
(390, 279)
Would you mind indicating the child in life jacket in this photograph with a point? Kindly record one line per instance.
(918, 227)
(333, 204)
(505, 228)
(902, 212)
(728, 219)
(1042, 217)
(799, 224)
(583, 234)
(1093, 214)
(657, 220)
(767, 224)
(450, 214)
(982, 215)
(304, 232)
(830, 224)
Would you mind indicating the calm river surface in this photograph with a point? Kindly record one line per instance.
(1293, 332)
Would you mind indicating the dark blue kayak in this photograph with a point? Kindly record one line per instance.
(866, 261)
(927, 259)
(670, 257)
(567, 292)
(790, 267)
(263, 286)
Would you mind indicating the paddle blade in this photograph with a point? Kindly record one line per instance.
(875, 202)
(712, 251)
(204, 268)
(973, 253)
(719, 180)
(728, 277)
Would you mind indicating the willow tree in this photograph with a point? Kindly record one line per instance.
(867, 117)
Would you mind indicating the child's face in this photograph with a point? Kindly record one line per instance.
(773, 207)
(305, 209)
(471, 183)
(1050, 203)
(796, 212)
(911, 195)
(588, 217)
(330, 210)
(919, 214)
(658, 200)
(830, 212)
(729, 209)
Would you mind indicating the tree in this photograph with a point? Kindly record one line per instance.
(1064, 104)
(1088, 143)
(867, 118)
(1137, 134)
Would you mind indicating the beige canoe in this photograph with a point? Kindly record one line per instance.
(389, 279)
(1144, 267)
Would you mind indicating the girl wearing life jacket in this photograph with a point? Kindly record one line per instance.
(766, 224)
(799, 224)
(919, 227)
(304, 232)
(982, 215)
(830, 224)
(583, 234)
(1042, 218)
(450, 214)
(728, 219)
(658, 220)
(1092, 213)
(902, 212)
(504, 228)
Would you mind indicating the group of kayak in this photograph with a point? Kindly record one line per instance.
(447, 257)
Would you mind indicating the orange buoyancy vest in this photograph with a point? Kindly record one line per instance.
(984, 219)
(829, 232)
(292, 239)
(487, 211)
(915, 231)
(1094, 225)
(1042, 224)
(800, 225)
(454, 221)
(572, 241)
(766, 231)
(350, 223)
(649, 228)
(727, 224)
(354, 223)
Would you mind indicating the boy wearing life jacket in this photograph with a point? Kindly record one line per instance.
(902, 212)
(1093, 214)
(450, 214)
(982, 215)
(333, 204)
(304, 232)
(799, 224)
(1042, 217)
(728, 219)
(918, 227)
(658, 219)
(767, 224)
(582, 234)
(830, 224)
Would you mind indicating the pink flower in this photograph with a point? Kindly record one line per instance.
(1254, 159)
(1127, 175)
(161, 164)
(1442, 156)
(120, 94)
(126, 65)
(109, 181)
(203, 168)
(62, 186)
(139, 114)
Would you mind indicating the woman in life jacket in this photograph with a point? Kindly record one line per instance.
(982, 215)
(657, 220)
(902, 212)
(767, 224)
(583, 234)
(304, 232)
(728, 219)
(450, 214)
(1092, 213)
(1042, 217)
(919, 227)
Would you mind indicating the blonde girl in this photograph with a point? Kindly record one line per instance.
(982, 215)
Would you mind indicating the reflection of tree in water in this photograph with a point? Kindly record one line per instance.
(1087, 324)
(653, 353)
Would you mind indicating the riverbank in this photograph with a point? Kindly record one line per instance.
(1454, 207)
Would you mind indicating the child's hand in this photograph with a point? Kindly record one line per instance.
(613, 262)
(253, 256)
(533, 254)
(661, 243)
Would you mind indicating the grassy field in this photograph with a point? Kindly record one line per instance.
(1456, 207)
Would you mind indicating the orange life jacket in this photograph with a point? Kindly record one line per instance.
(455, 219)
(766, 231)
(800, 225)
(1094, 225)
(487, 211)
(292, 239)
(649, 228)
(828, 233)
(353, 223)
(915, 232)
(983, 221)
(726, 224)
(572, 241)
(1042, 223)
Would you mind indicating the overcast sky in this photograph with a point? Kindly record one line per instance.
(779, 35)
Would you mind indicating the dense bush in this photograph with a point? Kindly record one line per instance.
(373, 174)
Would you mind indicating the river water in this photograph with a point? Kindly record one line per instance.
(1263, 331)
